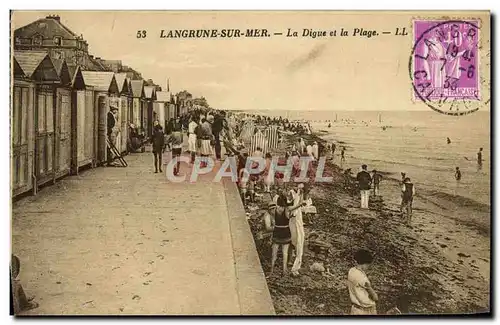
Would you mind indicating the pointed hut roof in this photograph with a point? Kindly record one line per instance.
(62, 71)
(123, 83)
(137, 88)
(77, 80)
(150, 92)
(163, 96)
(101, 80)
(36, 65)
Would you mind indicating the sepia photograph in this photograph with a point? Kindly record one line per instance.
(250, 163)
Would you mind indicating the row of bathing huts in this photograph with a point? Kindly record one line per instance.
(59, 117)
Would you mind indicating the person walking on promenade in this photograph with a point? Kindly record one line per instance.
(217, 127)
(192, 128)
(113, 110)
(175, 139)
(206, 137)
(20, 302)
(158, 142)
(363, 297)
(376, 182)
(408, 191)
(365, 181)
(281, 234)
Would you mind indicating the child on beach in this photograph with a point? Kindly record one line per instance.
(363, 297)
(376, 182)
(268, 177)
(243, 178)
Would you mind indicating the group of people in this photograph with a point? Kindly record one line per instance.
(205, 131)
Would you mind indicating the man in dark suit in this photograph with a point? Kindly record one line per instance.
(113, 110)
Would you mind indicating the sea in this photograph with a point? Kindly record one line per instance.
(413, 142)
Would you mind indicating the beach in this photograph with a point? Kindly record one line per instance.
(439, 265)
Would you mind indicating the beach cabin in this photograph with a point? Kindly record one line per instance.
(22, 129)
(161, 107)
(82, 122)
(105, 90)
(123, 111)
(138, 103)
(37, 66)
(62, 120)
(150, 97)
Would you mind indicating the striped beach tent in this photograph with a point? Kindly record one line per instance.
(247, 131)
(272, 137)
(258, 140)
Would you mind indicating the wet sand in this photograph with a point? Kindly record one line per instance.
(440, 264)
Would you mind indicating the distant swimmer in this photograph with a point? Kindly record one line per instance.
(458, 174)
(448, 140)
(329, 125)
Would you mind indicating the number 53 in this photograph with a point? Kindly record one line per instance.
(141, 34)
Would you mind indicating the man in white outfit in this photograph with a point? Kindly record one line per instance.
(297, 229)
(192, 138)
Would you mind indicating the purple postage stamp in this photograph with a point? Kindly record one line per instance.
(444, 64)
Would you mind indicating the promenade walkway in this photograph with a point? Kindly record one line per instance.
(126, 241)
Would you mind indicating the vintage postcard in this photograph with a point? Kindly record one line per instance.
(250, 163)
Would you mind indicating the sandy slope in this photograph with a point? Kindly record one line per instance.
(440, 264)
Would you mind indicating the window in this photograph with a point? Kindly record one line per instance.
(41, 112)
(59, 54)
(16, 116)
(37, 40)
(18, 40)
(25, 102)
(50, 113)
(57, 40)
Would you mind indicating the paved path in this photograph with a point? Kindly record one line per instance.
(128, 241)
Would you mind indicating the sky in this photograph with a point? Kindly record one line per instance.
(277, 72)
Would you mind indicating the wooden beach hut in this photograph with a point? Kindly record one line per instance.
(149, 116)
(39, 68)
(62, 120)
(82, 122)
(105, 87)
(123, 111)
(138, 103)
(22, 130)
